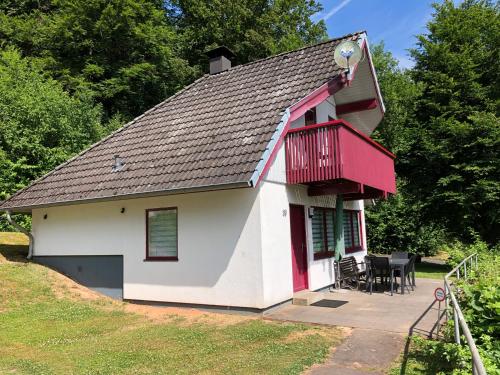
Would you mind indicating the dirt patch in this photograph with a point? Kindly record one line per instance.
(328, 332)
(184, 316)
(67, 288)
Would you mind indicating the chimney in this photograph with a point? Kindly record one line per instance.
(220, 59)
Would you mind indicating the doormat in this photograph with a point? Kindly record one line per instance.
(332, 303)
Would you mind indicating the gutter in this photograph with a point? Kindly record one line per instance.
(23, 230)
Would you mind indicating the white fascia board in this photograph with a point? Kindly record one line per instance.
(364, 39)
(270, 147)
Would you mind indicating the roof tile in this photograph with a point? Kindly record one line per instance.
(213, 132)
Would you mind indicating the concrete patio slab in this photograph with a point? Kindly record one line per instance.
(379, 310)
(380, 323)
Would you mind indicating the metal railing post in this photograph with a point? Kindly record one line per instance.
(457, 326)
(460, 324)
(446, 306)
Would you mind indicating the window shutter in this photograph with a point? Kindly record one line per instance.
(329, 231)
(347, 230)
(162, 233)
(355, 228)
(317, 231)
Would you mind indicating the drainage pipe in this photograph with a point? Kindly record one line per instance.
(23, 230)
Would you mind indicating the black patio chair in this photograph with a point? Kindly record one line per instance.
(408, 269)
(349, 272)
(410, 255)
(370, 274)
(382, 268)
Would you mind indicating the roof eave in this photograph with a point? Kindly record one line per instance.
(200, 189)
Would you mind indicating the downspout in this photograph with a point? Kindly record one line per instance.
(23, 230)
(339, 227)
(338, 230)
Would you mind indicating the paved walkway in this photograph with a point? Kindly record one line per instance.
(364, 352)
(380, 324)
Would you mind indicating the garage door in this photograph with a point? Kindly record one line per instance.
(103, 273)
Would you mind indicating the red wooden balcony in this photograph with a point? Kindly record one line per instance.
(335, 158)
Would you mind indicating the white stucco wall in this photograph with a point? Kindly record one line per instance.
(276, 196)
(234, 246)
(276, 243)
(323, 111)
(220, 255)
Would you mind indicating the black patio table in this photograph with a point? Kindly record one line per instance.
(398, 264)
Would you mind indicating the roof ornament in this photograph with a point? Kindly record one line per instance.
(347, 54)
(118, 164)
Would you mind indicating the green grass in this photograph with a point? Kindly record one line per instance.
(431, 270)
(428, 357)
(44, 332)
(13, 239)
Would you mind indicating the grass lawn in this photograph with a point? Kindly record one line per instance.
(13, 239)
(49, 326)
(431, 270)
(424, 357)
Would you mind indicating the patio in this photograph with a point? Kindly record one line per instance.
(380, 310)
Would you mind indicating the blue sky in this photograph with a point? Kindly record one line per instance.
(396, 22)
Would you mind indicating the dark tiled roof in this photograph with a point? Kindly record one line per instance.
(213, 132)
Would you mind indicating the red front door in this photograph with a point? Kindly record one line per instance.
(299, 248)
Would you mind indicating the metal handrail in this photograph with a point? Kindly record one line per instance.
(477, 363)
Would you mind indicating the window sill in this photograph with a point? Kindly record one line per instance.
(353, 250)
(161, 259)
(328, 254)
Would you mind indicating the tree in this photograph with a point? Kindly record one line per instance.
(398, 223)
(122, 51)
(41, 125)
(253, 29)
(455, 159)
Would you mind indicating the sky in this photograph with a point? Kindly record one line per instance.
(396, 22)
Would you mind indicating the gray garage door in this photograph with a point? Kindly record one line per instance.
(103, 273)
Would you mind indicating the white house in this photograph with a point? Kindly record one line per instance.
(224, 194)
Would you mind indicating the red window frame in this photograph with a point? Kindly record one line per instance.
(325, 253)
(162, 258)
(354, 248)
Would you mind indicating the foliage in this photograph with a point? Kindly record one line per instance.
(479, 299)
(123, 51)
(132, 54)
(252, 29)
(41, 125)
(429, 357)
(61, 333)
(458, 251)
(455, 159)
(397, 225)
(442, 123)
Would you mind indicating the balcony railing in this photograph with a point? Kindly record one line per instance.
(336, 152)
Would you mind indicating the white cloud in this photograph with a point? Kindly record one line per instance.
(335, 10)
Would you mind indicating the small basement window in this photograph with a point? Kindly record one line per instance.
(322, 233)
(161, 234)
(352, 231)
